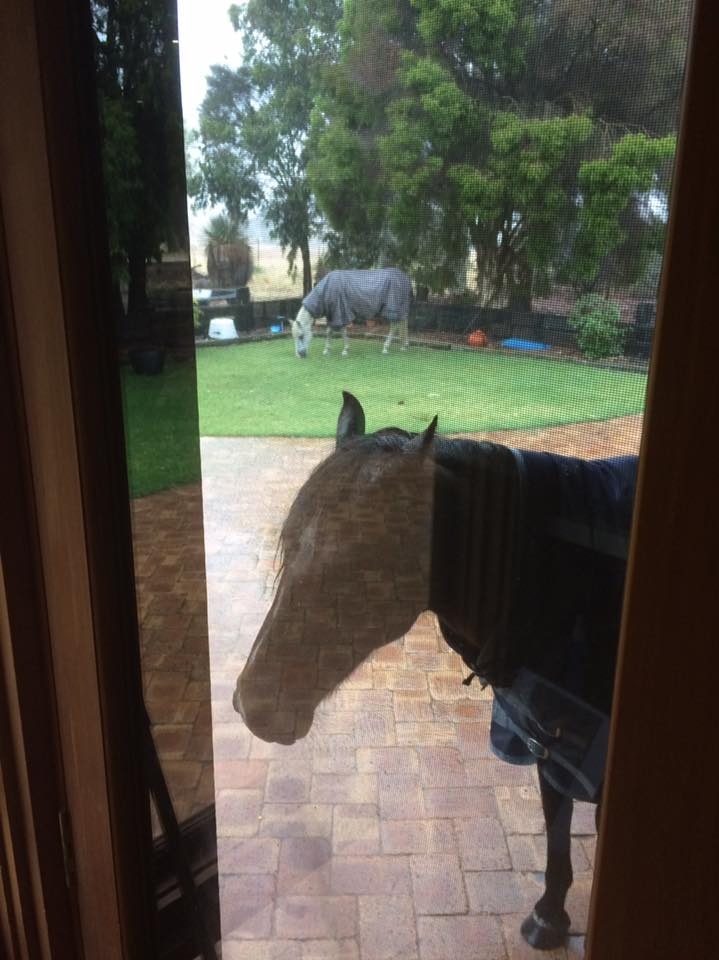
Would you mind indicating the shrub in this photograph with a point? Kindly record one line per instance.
(198, 318)
(596, 322)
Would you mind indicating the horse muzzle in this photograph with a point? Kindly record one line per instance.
(261, 721)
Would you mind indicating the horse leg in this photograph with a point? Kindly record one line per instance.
(388, 341)
(345, 342)
(326, 350)
(404, 333)
(547, 925)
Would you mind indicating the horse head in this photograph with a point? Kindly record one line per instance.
(302, 332)
(354, 575)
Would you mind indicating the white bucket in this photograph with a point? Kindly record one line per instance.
(222, 328)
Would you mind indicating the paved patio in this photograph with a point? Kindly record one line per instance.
(389, 833)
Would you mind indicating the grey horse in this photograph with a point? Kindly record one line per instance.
(346, 295)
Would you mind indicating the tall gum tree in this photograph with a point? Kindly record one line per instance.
(254, 121)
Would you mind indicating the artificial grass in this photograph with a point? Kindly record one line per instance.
(262, 389)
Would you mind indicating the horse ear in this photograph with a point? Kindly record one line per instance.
(423, 441)
(351, 422)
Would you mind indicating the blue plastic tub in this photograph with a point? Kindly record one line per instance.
(514, 343)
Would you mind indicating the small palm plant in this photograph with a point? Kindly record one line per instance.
(229, 257)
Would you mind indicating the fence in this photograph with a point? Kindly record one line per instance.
(252, 315)
(553, 329)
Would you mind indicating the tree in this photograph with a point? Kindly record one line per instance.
(225, 173)
(505, 128)
(254, 121)
(615, 215)
(143, 151)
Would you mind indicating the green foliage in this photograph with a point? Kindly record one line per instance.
(426, 131)
(222, 172)
(229, 256)
(335, 168)
(223, 230)
(198, 317)
(142, 138)
(610, 186)
(598, 327)
(254, 121)
(498, 127)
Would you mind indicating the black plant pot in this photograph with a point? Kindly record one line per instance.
(148, 361)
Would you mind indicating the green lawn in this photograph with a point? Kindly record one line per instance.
(262, 389)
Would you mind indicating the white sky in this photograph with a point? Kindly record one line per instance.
(206, 37)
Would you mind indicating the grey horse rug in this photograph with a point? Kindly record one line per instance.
(550, 660)
(346, 295)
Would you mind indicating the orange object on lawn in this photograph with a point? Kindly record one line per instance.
(477, 338)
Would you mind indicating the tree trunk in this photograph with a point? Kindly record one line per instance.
(519, 279)
(306, 266)
(118, 311)
(137, 283)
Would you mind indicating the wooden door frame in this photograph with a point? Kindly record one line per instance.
(40, 919)
(656, 891)
(64, 399)
(64, 396)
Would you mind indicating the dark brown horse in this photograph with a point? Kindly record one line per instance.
(521, 556)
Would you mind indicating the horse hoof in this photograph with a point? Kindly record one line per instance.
(345, 353)
(385, 351)
(544, 934)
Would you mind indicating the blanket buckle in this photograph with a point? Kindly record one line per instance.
(536, 748)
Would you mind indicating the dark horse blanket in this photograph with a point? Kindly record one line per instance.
(552, 658)
(345, 295)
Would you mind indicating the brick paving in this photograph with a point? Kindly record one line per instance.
(389, 832)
